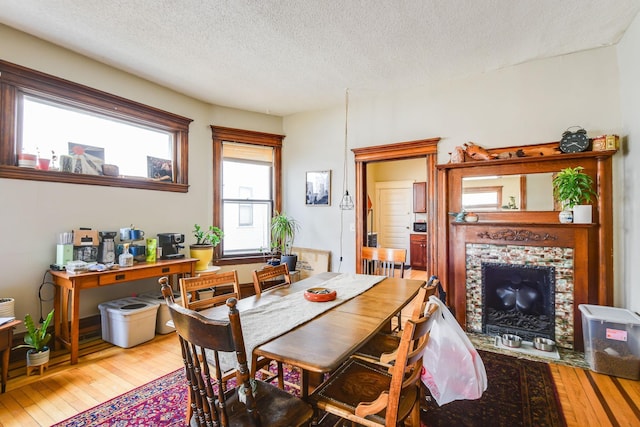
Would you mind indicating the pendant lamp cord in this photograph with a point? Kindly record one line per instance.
(346, 127)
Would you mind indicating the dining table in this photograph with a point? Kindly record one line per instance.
(319, 343)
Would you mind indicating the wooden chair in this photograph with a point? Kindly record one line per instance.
(252, 402)
(263, 279)
(192, 290)
(199, 293)
(384, 262)
(365, 394)
(382, 348)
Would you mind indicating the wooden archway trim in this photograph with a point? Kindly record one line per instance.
(427, 148)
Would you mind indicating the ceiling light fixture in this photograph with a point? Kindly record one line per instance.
(347, 202)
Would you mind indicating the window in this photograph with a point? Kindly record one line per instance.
(482, 198)
(88, 136)
(247, 190)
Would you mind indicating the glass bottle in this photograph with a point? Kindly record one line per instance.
(125, 259)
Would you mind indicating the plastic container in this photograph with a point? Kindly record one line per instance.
(611, 340)
(128, 322)
(163, 311)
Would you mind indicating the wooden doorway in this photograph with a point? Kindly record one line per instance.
(424, 148)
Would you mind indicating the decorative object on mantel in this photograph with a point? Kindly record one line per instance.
(605, 142)
(457, 156)
(572, 188)
(459, 216)
(471, 217)
(574, 141)
(478, 153)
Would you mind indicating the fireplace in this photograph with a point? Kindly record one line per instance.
(518, 299)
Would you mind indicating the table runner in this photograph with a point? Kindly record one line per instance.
(263, 323)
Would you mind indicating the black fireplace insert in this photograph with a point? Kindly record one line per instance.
(518, 299)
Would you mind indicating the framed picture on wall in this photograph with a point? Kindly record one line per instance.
(318, 188)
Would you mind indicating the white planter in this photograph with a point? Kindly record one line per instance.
(37, 359)
(582, 214)
(7, 307)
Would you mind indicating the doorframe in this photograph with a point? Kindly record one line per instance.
(427, 148)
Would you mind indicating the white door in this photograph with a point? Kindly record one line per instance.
(394, 205)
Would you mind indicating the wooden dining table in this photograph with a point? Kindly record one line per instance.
(322, 344)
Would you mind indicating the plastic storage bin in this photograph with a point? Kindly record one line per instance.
(128, 322)
(611, 340)
(163, 311)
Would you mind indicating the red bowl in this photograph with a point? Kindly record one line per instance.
(319, 294)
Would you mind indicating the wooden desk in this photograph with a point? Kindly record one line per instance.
(68, 287)
(325, 342)
(6, 341)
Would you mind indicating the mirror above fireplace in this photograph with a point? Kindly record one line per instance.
(522, 192)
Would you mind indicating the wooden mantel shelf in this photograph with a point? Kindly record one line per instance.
(519, 224)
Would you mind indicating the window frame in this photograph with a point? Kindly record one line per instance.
(16, 80)
(224, 134)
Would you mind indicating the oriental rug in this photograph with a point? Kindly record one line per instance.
(520, 392)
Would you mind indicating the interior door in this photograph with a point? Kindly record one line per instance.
(394, 200)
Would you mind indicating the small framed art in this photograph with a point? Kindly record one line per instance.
(318, 188)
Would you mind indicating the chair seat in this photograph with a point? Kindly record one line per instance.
(378, 345)
(276, 407)
(357, 381)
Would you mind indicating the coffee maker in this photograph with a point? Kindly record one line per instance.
(169, 245)
(107, 247)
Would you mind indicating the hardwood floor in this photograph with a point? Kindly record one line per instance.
(105, 371)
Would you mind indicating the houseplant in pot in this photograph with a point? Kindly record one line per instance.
(574, 190)
(206, 240)
(283, 232)
(36, 340)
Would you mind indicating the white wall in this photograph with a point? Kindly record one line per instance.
(526, 104)
(32, 213)
(626, 262)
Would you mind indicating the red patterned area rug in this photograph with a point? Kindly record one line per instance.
(162, 402)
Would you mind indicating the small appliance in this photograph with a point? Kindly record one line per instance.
(169, 245)
(107, 247)
(420, 227)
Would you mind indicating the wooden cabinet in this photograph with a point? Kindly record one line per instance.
(418, 249)
(420, 197)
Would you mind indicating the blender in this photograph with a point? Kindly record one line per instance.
(107, 247)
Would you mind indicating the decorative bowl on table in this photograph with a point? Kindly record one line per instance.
(320, 294)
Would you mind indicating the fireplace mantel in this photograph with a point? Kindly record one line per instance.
(591, 244)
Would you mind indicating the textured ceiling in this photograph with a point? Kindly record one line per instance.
(286, 56)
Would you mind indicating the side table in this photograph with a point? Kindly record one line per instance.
(6, 340)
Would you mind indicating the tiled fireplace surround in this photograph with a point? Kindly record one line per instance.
(562, 246)
(543, 256)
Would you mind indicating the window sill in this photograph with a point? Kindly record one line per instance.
(16, 172)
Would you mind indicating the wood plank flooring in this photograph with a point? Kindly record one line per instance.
(105, 371)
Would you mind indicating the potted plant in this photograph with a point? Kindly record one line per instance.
(574, 190)
(283, 232)
(36, 340)
(206, 240)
